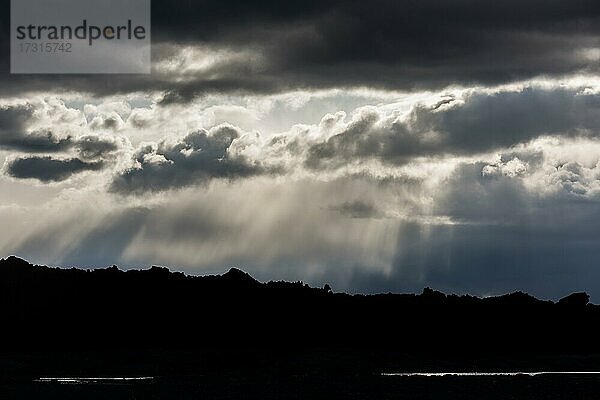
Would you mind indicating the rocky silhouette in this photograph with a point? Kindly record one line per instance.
(230, 336)
(54, 307)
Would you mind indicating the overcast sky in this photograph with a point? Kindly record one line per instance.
(378, 146)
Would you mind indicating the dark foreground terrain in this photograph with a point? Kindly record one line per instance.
(229, 336)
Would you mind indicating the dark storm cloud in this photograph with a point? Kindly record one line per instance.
(484, 122)
(198, 157)
(381, 43)
(48, 169)
(484, 260)
(505, 238)
(400, 44)
(472, 197)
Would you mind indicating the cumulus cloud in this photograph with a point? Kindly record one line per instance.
(31, 128)
(93, 147)
(14, 121)
(575, 178)
(370, 139)
(112, 121)
(478, 122)
(512, 168)
(196, 158)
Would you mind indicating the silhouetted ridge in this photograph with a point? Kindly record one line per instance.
(238, 277)
(110, 307)
(520, 298)
(575, 299)
(15, 262)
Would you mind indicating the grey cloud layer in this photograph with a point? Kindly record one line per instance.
(382, 43)
(48, 169)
